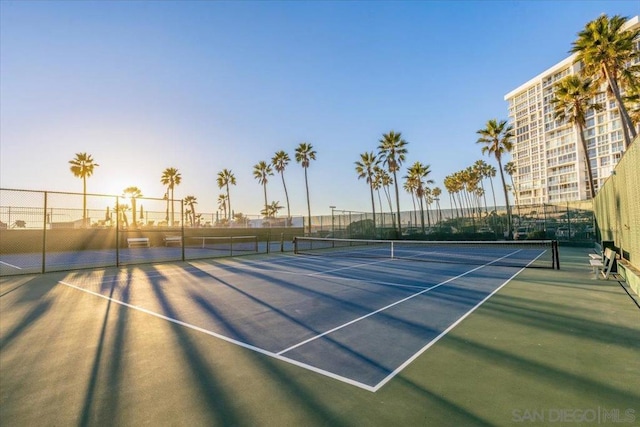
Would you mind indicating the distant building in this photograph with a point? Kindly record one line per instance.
(550, 167)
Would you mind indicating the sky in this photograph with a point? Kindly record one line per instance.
(202, 86)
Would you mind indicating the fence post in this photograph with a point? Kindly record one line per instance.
(182, 221)
(44, 235)
(117, 232)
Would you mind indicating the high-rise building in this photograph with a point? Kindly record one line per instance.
(550, 166)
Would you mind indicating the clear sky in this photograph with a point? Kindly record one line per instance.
(202, 86)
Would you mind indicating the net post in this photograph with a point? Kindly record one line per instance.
(392, 250)
(295, 245)
(556, 255)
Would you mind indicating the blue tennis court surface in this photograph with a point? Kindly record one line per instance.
(360, 321)
(26, 263)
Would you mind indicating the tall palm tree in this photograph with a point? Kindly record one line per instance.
(262, 171)
(82, 167)
(171, 177)
(418, 173)
(365, 168)
(132, 193)
(497, 140)
(393, 150)
(280, 161)
(224, 179)
(190, 202)
(572, 98)
(608, 55)
(304, 155)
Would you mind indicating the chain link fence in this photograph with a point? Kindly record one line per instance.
(42, 231)
(617, 206)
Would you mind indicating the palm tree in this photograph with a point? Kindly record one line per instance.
(261, 171)
(304, 155)
(496, 138)
(451, 187)
(490, 172)
(171, 177)
(191, 201)
(280, 161)
(121, 210)
(418, 173)
(510, 169)
(225, 178)
(608, 55)
(132, 193)
(480, 167)
(436, 192)
(385, 181)
(573, 97)
(410, 186)
(82, 167)
(392, 152)
(365, 168)
(271, 210)
(222, 205)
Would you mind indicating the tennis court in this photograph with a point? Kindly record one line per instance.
(357, 320)
(316, 339)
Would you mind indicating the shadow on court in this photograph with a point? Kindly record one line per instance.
(547, 341)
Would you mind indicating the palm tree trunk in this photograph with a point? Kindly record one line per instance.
(373, 206)
(388, 194)
(229, 202)
(583, 142)
(84, 201)
(286, 195)
(306, 183)
(506, 199)
(421, 214)
(395, 182)
(493, 193)
(415, 211)
(266, 205)
(173, 209)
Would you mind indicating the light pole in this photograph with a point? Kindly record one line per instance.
(332, 221)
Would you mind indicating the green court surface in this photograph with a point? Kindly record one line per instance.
(550, 347)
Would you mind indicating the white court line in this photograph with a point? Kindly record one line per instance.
(446, 331)
(225, 338)
(278, 356)
(10, 265)
(391, 305)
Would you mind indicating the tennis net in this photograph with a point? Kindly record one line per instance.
(227, 244)
(521, 253)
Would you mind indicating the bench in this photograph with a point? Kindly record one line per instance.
(133, 242)
(603, 266)
(168, 240)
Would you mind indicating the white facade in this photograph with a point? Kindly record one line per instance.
(550, 165)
